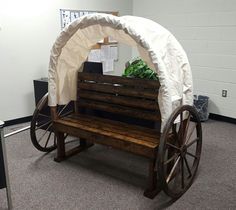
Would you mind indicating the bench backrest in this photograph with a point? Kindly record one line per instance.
(132, 97)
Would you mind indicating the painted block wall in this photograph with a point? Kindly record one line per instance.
(28, 30)
(207, 31)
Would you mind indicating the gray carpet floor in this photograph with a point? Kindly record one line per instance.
(104, 178)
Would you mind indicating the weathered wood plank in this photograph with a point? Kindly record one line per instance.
(111, 126)
(135, 82)
(148, 131)
(120, 90)
(118, 99)
(118, 109)
(143, 148)
(106, 133)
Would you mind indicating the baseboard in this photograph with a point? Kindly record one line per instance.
(18, 121)
(222, 118)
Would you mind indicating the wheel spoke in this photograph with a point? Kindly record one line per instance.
(173, 146)
(48, 139)
(66, 136)
(44, 133)
(59, 112)
(44, 115)
(191, 133)
(65, 114)
(42, 125)
(186, 128)
(171, 159)
(174, 127)
(182, 172)
(187, 165)
(194, 141)
(172, 170)
(180, 150)
(41, 130)
(190, 154)
(180, 132)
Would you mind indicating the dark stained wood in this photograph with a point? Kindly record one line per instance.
(116, 89)
(108, 79)
(60, 146)
(141, 114)
(114, 127)
(178, 146)
(127, 129)
(153, 186)
(146, 149)
(153, 143)
(64, 155)
(118, 99)
(128, 97)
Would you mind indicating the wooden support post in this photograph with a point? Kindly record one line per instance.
(61, 153)
(153, 189)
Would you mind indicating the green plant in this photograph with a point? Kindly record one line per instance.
(139, 69)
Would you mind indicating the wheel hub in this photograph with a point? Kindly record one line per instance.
(183, 151)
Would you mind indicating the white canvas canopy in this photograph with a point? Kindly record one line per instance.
(156, 45)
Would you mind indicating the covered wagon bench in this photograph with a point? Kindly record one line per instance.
(103, 105)
(128, 97)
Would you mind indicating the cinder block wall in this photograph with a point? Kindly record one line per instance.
(207, 31)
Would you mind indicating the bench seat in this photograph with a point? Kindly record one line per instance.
(122, 113)
(121, 135)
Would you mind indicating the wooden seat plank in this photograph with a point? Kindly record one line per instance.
(135, 147)
(125, 130)
(138, 129)
(79, 125)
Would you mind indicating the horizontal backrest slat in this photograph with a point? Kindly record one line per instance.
(119, 99)
(136, 82)
(132, 112)
(133, 97)
(115, 89)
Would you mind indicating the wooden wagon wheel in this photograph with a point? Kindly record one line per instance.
(179, 151)
(41, 131)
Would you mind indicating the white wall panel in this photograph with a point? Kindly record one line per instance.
(215, 87)
(196, 19)
(214, 74)
(209, 47)
(214, 33)
(182, 6)
(207, 31)
(213, 60)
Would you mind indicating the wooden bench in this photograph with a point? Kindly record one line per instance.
(107, 111)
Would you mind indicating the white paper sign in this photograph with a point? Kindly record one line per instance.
(95, 55)
(114, 52)
(108, 65)
(109, 52)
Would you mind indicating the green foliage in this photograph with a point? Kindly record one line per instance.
(139, 69)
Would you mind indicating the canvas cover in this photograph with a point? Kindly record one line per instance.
(156, 45)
